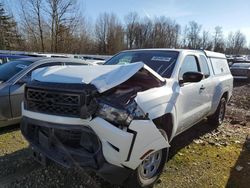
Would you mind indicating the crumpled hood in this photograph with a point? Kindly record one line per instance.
(104, 77)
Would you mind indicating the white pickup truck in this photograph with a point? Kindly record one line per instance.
(119, 119)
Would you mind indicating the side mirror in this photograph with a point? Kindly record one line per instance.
(192, 77)
(24, 80)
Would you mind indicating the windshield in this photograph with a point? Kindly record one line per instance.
(8, 70)
(162, 62)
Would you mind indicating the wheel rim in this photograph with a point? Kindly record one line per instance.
(150, 165)
(222, 112)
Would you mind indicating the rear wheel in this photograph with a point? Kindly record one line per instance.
(149, 170)
(219, 115)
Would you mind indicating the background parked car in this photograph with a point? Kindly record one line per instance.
(4, 58)
(230, 59)
(14, 75)
(56, 55)
(241, 70)
(95, 62)
(240, 58)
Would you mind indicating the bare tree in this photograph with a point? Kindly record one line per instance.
(63, 18)
(36, 4)
(184, 38)
(33, 23)
(101, 31)
(192, 32)
(218, 39)
(236, 42)
(240, 41)
(131, 23)
(37, 7)
(56, 26)
(165, 33)
(109, 34)
(83, 39)
(144, 34)
(206, 42)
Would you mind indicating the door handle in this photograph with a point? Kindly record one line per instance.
(202, 87)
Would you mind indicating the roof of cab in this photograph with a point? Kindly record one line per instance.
(206, 52)
(214, 54)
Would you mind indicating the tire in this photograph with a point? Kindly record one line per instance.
(219, 115)
(140, 179)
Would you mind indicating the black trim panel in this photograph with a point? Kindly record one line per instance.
(132, 144)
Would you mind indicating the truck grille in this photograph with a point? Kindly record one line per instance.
(53, 102)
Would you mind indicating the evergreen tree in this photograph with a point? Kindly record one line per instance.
(9, 37)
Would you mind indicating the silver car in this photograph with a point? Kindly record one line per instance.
(14, 75)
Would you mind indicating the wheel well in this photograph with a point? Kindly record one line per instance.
(165, 122)
(225, 95)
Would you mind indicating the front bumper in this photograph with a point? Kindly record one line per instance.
(69, 146)
(122, 148)
(72, 146)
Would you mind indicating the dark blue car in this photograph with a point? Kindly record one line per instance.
(4, 58)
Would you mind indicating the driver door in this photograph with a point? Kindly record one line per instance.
(189, 104)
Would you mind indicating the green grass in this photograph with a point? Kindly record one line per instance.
(201, 166)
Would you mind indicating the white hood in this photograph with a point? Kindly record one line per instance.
(104, 77)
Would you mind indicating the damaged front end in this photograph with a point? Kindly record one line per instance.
(118, 105)
(74, 145)
(81, 125)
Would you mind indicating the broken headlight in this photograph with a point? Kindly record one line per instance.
(120, 115)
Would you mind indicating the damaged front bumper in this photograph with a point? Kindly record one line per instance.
(122, 148)
(73, 146)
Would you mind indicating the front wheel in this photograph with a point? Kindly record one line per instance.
(219, 115)
(149, 170)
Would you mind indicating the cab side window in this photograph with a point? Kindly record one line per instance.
(204, 66)
(189, 64)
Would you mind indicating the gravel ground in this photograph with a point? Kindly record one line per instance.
(204, 156)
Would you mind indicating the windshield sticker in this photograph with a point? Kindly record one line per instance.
(21, 66)
(158, 58)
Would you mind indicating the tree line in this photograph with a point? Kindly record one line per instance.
(57, 26)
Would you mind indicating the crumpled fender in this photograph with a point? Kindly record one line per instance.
(146, 137)
(156, 101)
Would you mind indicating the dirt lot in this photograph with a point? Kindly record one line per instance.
(205, 156)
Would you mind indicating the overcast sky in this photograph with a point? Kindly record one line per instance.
(232, 15)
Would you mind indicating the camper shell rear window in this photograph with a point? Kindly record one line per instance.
(219, 65)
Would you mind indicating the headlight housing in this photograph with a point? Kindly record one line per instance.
(120, 116)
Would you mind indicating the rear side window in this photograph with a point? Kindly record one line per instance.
(220, 66)
(204, 66)
(189, 65)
